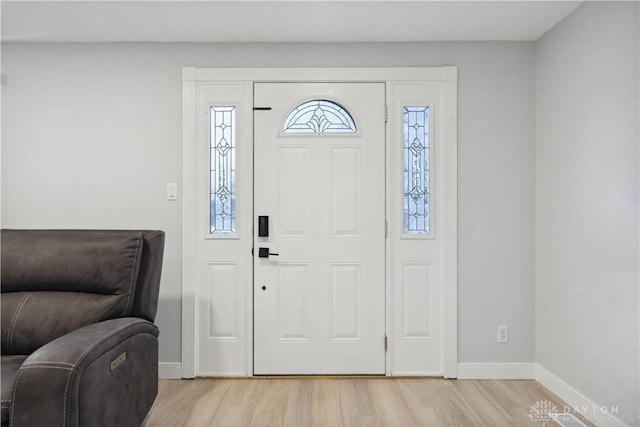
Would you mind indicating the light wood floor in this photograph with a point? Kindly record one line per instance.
(347, 402)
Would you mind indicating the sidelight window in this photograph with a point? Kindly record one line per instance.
(223, 170)
(417, 178)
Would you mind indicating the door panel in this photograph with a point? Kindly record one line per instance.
(223, 260)
(319, 305)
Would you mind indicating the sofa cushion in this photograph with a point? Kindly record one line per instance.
(101, 262)
(55, 281)
(9, 366)
(32, 319)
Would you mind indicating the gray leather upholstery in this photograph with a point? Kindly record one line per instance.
(78, 345)
(10, 366)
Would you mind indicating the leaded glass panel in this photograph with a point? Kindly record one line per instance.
(223, 170)
(416, 170)
(319, 116)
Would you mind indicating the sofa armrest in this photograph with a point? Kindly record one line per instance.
(102, 374)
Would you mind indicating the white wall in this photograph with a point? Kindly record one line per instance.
(587, 204)
(92, 133)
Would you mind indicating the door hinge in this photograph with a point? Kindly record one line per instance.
(385, 343)
(386, 114)
(386, 228)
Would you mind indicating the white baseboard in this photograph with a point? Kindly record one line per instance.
(169, 370)
(496, 371)
(578, 402)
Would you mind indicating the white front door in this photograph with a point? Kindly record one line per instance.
(319, 178)
(324, 177)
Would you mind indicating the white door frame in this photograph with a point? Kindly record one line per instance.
(446, 76)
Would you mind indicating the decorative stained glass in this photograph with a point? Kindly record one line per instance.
(319, 116)
(223, 170)
(416, 170)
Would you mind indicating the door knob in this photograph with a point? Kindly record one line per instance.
(264, 253)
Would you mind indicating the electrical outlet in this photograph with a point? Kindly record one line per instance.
(503, 333)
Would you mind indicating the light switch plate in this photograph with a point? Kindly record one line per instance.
(172, 191)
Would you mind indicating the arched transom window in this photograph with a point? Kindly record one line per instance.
(319, 116)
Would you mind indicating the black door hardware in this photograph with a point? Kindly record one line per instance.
(263, 226)
(264, 253)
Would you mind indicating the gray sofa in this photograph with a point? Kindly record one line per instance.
(78, 344)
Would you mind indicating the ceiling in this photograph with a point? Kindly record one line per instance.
(279, 21)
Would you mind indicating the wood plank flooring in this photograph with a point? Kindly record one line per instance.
(329, 402)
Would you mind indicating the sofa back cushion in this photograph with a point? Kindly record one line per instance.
(55, 281)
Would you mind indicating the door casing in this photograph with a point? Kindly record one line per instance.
(445, 77)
